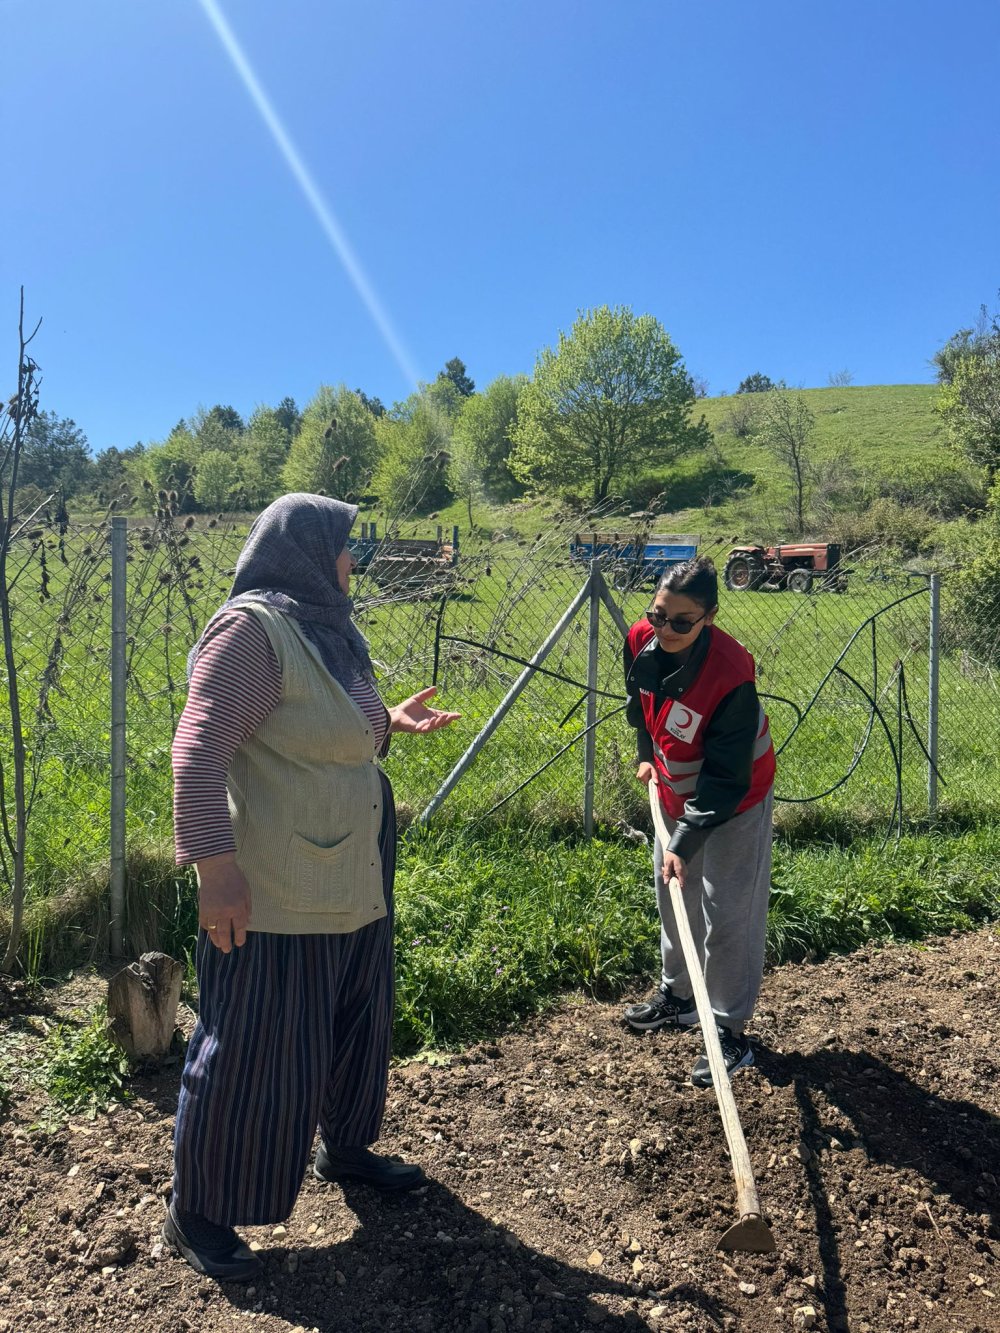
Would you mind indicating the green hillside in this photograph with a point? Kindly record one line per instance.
(868, 442)
(884, 426)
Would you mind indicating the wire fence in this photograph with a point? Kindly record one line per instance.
(846, 678)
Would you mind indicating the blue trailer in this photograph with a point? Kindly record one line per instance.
(630, 560)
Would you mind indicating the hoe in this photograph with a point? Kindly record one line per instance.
(751, 1233)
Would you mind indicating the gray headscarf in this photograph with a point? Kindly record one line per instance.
(289, 563)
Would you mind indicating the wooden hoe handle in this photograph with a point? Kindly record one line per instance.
(746, 1191)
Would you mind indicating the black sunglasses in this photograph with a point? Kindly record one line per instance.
(658, 620)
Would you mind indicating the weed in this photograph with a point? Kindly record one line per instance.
(85, 1070)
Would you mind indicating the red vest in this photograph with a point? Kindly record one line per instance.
(678, 728)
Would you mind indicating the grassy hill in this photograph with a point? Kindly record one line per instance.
(878, 434)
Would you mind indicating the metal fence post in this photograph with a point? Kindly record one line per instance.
(590, 744)
(932, 691)
(506, 703)
(119, 547)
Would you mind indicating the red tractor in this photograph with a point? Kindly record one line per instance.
(797, 567)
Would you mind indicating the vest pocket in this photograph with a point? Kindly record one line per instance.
(319, 878)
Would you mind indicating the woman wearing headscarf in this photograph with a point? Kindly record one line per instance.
(281, 806)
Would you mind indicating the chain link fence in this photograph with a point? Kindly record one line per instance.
(846, 679)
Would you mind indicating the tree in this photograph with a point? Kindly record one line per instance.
(263, 454)
(840, 379)
(221, 428)
(481, 444)
(961, 346)
(415, 451)
(612, 397)
(170, 466)
(756, 383)
(784, 426)
(454, 370)
(289, 416)
(54, 456)
(216, 479)
(970, 404)
(374, 405)
(336, 449)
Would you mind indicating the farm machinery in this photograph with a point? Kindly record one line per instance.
(632, 559)
(794, 566)
(406, 564)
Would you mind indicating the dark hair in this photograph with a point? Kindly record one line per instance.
(696, 579)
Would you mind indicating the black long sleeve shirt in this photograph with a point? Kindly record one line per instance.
(730, 736)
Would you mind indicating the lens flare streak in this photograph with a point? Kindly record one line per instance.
(324, 214)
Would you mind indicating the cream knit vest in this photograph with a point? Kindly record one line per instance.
(306, 800)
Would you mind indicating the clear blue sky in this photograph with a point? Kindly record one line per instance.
(789, 186)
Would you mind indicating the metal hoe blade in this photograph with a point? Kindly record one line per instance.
(751, 1235)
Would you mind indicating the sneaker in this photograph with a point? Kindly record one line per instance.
(211, 1249)
(662, 1009)
(736, 1051)
(368, 1168)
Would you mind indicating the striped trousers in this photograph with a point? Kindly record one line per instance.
(293, 1031)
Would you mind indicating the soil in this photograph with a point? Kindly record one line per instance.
(577, 1180)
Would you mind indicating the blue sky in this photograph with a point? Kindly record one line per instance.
(796, 187)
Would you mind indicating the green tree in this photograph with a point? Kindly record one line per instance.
(54, 456)
(970, 404)
(481, 444)
(611, 398)
(220, 428)
(289, 416)
(170, 466)
(336, 449)
(263, 454)
(756, 383)
(374, 405)
(784, 425)
(454, 372)
(216, 479)
(415, 451)
(962, 345)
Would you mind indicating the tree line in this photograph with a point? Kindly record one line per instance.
(611, 397)
(609, 400)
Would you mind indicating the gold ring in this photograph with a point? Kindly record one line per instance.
(213, 926)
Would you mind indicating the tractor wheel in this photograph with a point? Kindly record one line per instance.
(744, 573)
(800, 580)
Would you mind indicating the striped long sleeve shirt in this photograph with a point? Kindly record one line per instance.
(235, 685)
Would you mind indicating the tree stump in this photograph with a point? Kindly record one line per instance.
(142, 1006)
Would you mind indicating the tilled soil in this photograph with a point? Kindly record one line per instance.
(577, 1179)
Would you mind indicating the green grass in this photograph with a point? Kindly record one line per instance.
(491, 928)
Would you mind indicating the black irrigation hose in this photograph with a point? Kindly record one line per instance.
(558, 755)
(512, 657)
(919, 592)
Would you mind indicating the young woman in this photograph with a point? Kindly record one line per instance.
(704, 735)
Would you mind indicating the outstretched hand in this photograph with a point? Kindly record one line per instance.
(413, 715)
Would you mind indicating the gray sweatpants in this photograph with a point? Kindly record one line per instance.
(725, 891)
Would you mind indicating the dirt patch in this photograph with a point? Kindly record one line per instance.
(578, 1180)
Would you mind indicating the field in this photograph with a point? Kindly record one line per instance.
(576, 1179)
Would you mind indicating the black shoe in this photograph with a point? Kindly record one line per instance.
(663, 1008)
(382, 1173)
(210, 1249)
(736, 1051)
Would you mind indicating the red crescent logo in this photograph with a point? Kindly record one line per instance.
(681, 718)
